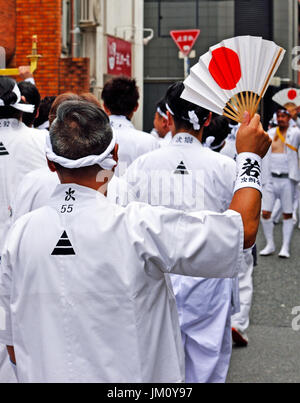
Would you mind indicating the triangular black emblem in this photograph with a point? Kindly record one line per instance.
(64, 246)
(3, 150)
(181, 169)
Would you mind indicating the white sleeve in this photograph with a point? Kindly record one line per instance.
(5, 294)
(202, 244)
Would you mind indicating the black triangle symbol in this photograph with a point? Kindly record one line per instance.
(3, 150)
(63, 246)
(181, 169)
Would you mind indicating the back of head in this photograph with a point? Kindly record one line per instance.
(89, 97)
(161, 108)
(219, 130)
(8, 97)
(67, 96)
(44, 111)
(32, 95)
(186, 115)
(120, 96)
(79, 130)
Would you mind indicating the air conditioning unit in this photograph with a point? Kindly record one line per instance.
(89, 13)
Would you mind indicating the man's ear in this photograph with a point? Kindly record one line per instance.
(51, 166)
(171, 123)
(208, 120)
(106, 110)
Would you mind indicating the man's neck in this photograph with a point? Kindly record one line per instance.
(193, 133)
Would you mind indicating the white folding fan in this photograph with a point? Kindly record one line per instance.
(233, 76)
(287, 95)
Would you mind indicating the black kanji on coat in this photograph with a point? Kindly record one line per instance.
(64, 246)
(251, 168)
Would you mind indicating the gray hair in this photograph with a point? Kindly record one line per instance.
(80, 129)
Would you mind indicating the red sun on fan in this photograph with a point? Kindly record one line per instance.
(292, 94)
(225, 68)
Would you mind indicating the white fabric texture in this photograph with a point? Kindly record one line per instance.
(103, 314)
(205, 180)
(22, 150)
(132, 143)
(282, 189)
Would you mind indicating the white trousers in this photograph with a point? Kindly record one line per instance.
(282, 189)
(204, 309)
(241, 319)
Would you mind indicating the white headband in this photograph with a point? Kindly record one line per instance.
(210, 140)
(104, 160)
(21, 107)
(193, 118)
(161, 113)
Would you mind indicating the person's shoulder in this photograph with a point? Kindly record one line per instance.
(218, 162)
(151, 158)
(25, 220)
(145, 137)
(224, 159)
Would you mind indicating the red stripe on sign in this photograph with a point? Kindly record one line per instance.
(225, 68)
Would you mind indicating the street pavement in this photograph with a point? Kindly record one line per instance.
(273, 352)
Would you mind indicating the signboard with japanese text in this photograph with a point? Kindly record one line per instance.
(119, 57)
(185, 39)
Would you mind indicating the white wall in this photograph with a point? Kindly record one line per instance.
(125, 19)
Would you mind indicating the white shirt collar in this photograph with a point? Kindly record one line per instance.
(185, 139)
(119, 121)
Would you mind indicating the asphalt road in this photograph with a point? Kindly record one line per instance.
(273, 352)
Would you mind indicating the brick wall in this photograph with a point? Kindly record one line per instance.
(54, 74)
(74, 75)
(8, 30)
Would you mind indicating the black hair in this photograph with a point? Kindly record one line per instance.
(180, 108)
(161, 104)
(218, 128)
(121, 95)
(8, 97)
(44, 110)
(80, 129)
(33, 97)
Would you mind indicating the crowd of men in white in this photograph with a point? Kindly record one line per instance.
(127, 256)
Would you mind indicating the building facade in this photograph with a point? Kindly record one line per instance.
(275, 20)
(82, 42)
(111, 34)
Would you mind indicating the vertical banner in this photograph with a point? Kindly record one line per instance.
(119, 57)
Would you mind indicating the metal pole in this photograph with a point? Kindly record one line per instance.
(186, 66)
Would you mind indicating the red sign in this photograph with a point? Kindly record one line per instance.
(119, 57)
(185, 40)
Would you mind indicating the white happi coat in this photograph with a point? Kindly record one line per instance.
(37, 187)
(83, 296)
(229, 148)
(132, 142)
(21, 151)
(194, 178)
